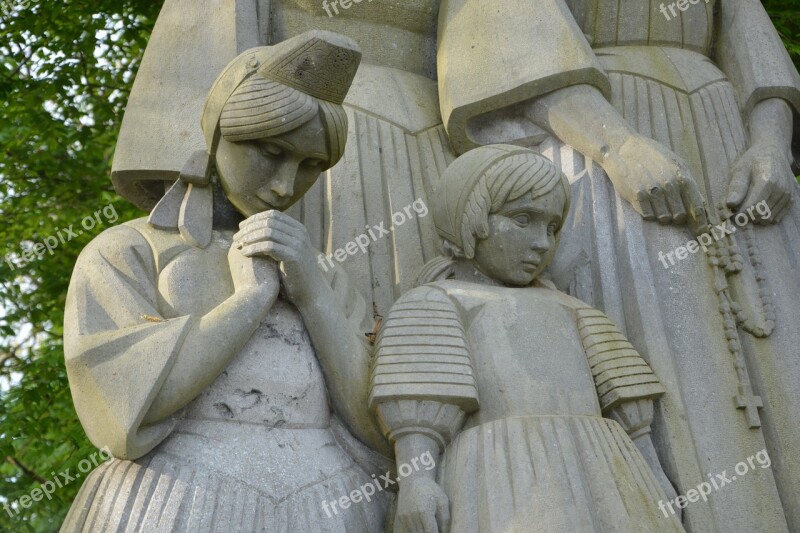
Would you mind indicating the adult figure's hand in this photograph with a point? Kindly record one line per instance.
(764, 172)
(655, 181)
(253, 273)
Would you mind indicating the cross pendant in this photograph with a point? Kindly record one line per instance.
(750, 403)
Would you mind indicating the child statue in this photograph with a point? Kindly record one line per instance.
(540, 407)
(214, 390)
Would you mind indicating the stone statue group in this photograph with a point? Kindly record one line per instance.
(519, 360)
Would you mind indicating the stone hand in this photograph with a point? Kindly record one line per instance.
(422, 507)
(763, 174)
(656, 182)
(253, 272)
(276, 235)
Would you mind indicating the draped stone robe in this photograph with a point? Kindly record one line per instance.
(529, 372)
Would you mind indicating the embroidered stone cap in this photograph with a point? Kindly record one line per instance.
(317, 63)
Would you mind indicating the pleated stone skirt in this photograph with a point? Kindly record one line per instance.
(167, 491)
(551, 474)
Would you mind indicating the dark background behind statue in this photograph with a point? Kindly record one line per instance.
(66, 71)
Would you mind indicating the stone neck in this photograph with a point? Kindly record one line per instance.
(465, 270)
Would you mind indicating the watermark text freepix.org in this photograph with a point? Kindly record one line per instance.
(35, 251)
(367, 490)
(683, 5)
(374, 233)
(716, 482)
(58, 481)
(335, 4)
(717, 232)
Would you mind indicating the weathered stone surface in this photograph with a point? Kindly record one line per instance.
(666, 119)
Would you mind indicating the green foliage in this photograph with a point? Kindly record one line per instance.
(66, 68)
(65, 71)
(785, 14)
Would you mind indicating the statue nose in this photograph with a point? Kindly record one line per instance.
(540, 242)
(282, 190)
(282, 187)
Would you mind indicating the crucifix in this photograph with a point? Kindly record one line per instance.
(751, 403)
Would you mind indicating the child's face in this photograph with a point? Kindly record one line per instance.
(272, 173)
(522, 239)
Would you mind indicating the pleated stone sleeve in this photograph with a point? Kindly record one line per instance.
(620, 374)
(422, 378)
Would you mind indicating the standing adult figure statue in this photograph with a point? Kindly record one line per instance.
(682, 113)
(184, 359)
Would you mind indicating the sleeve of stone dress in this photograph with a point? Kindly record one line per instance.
(626, 385)
(119, 349)
(493, 55)
(750, 52)
(422, 378)
(350, 300)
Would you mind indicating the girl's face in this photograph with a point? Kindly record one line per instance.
(272, 173)
(522, 239)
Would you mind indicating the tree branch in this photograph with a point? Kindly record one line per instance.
(25, 470)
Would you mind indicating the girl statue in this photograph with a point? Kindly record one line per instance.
(541, 405)
(183, 355)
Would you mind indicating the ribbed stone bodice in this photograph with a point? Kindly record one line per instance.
(645, 23)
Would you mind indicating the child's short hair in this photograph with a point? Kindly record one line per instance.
(479, 183)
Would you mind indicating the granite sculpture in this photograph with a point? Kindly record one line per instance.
(664, 125)
(184, 357)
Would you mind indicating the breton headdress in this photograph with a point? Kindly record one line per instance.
(264, 92)
(511, 166)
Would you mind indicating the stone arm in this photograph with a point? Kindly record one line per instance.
(334, 314)
(214, 339)
(557, 86)
(334, 317)
(626, 385)
(654, 180)
(750, 52)
(423, 388)
(129, 366)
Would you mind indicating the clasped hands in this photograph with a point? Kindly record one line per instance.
(271, 247)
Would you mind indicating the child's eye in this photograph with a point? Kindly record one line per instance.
(521, 219)
(271, 150)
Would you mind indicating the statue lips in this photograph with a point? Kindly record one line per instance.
(530, 265)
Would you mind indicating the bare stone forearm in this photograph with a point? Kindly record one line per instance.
(208, 348)
(344, 357)
(581, 117)
(771, 122)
